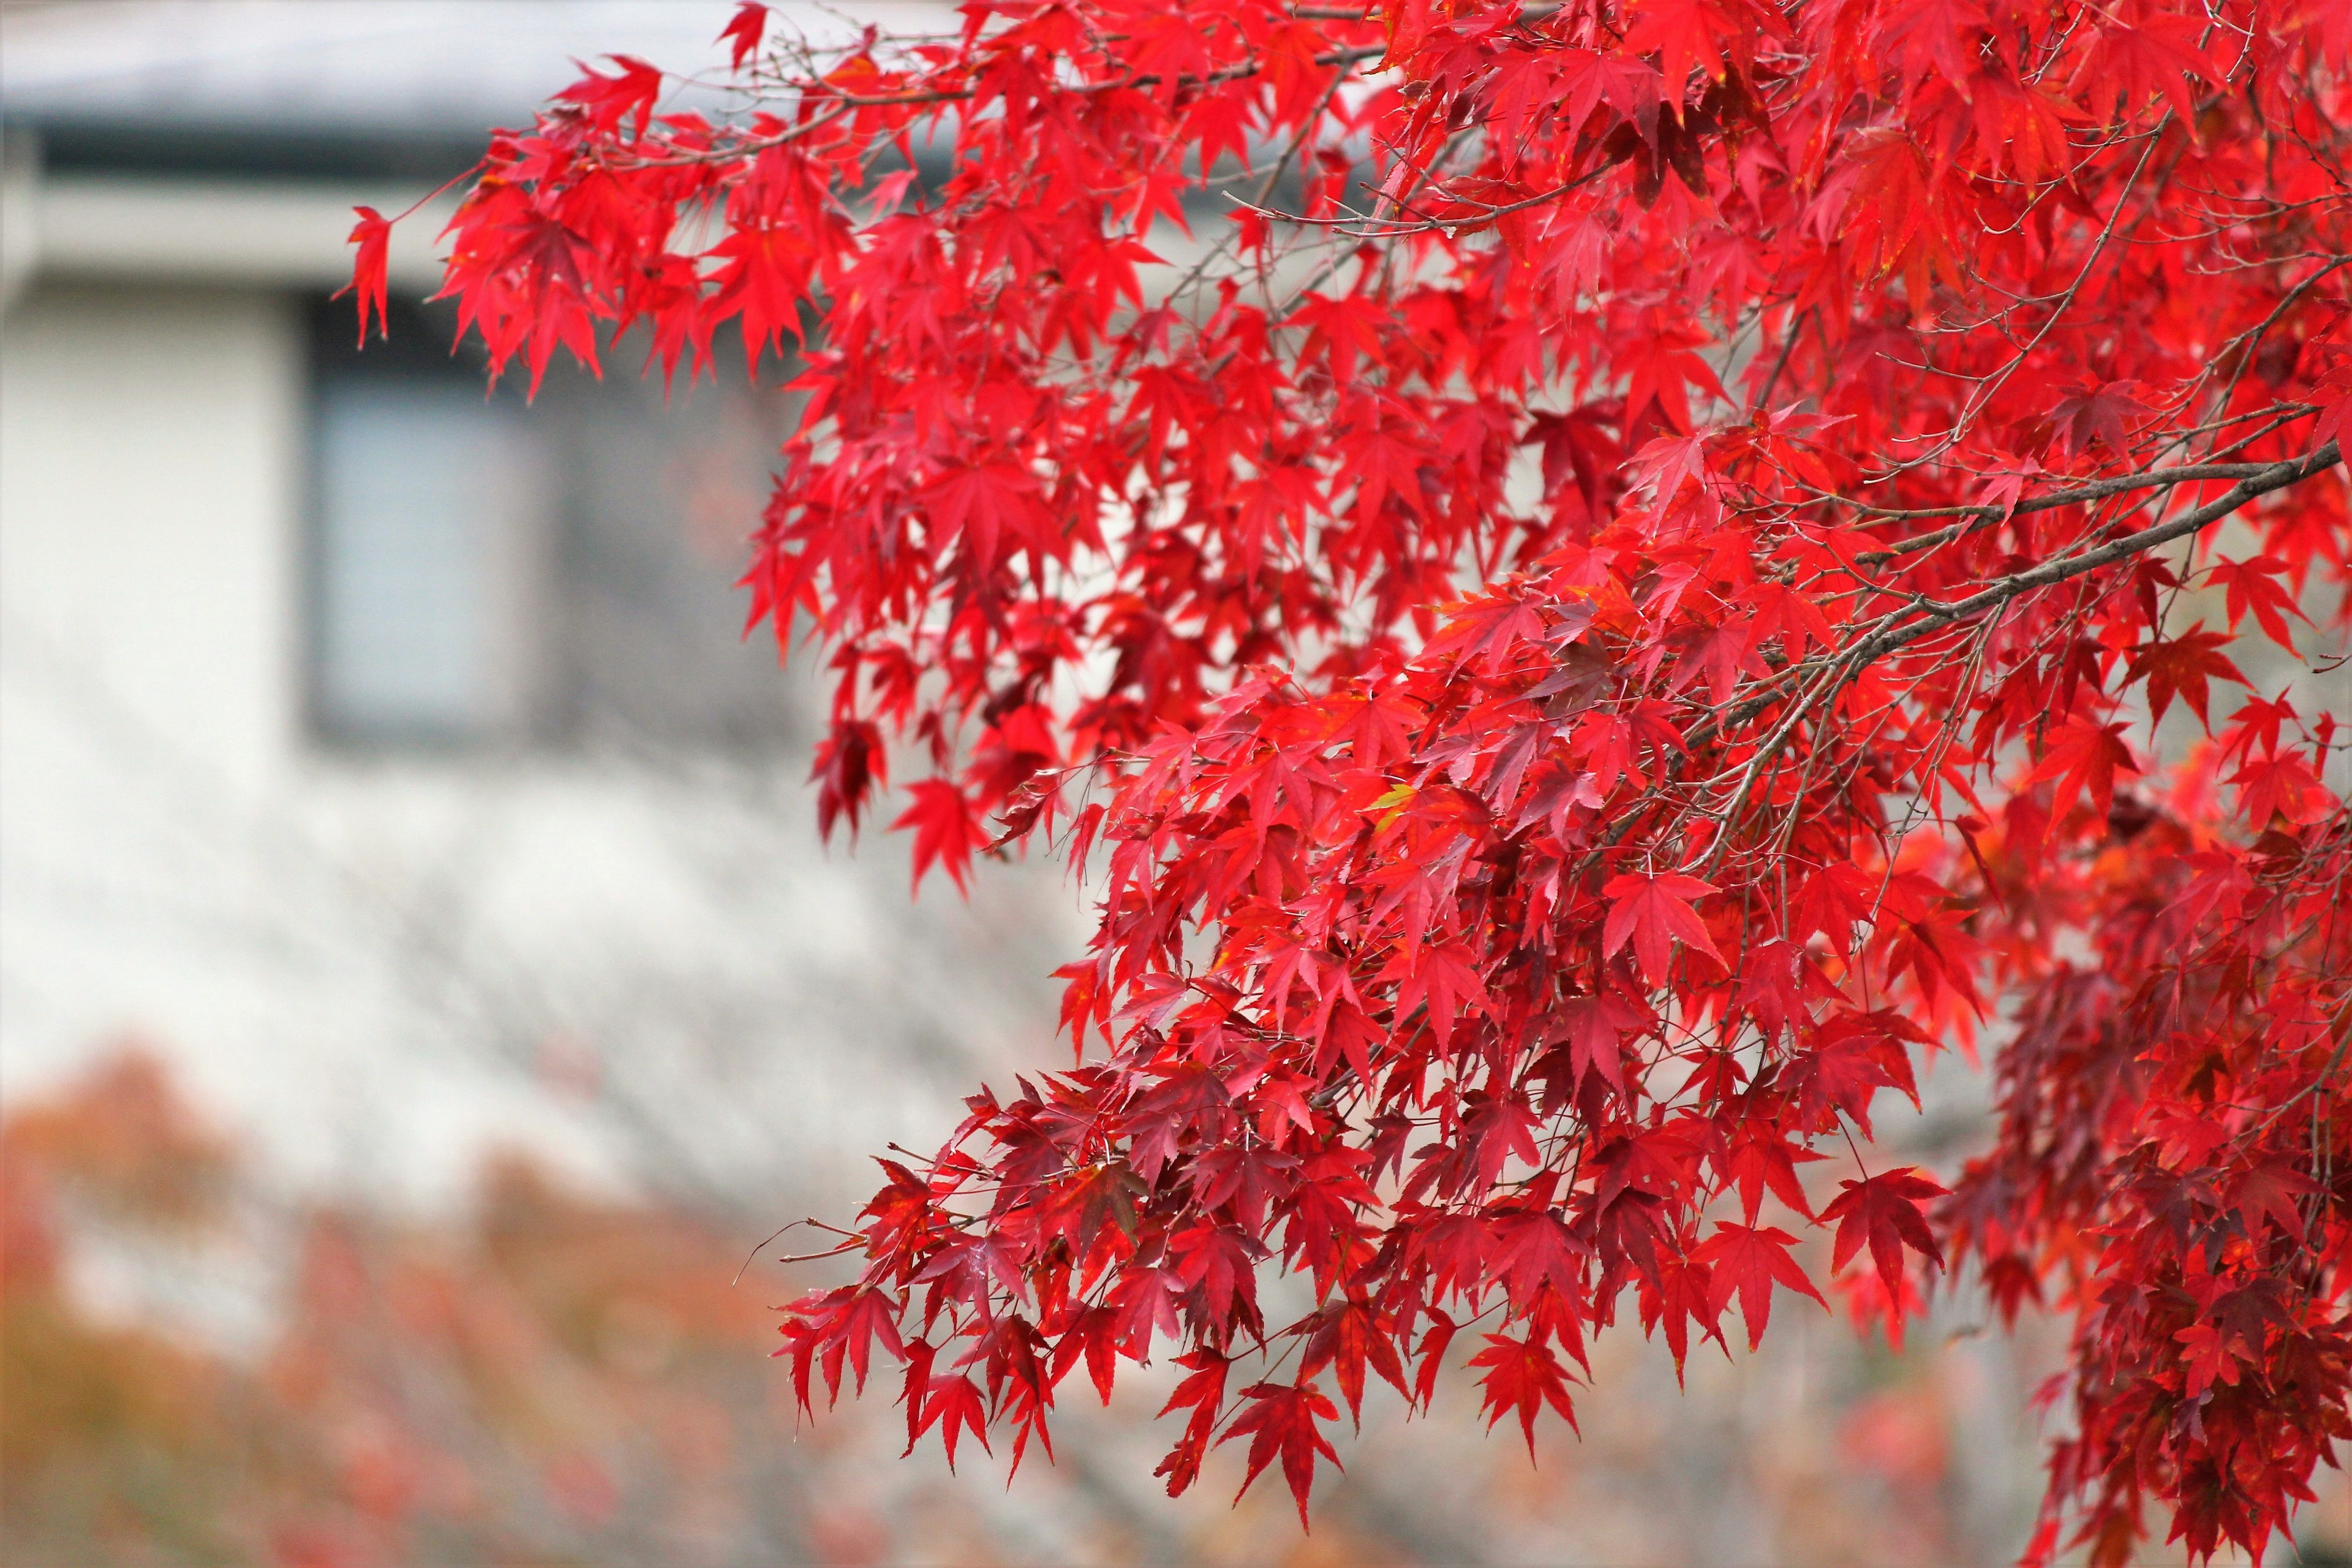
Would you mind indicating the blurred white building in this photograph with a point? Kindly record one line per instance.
(383, 753)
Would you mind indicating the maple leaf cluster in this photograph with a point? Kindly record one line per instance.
(1594, 582)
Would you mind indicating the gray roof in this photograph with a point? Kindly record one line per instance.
(346, 72)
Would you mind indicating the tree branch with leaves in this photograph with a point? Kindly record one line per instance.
(1616, 605)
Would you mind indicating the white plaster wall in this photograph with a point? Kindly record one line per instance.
(150, 473)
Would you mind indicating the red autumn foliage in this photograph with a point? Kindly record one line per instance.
(1596, 583)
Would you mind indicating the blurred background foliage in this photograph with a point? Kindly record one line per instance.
(558, 1377)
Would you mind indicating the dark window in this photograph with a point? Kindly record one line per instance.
(483, 572)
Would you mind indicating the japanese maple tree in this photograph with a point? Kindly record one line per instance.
(1594, 582)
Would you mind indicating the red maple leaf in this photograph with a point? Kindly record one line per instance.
(634, 89)
(1652, 912)
(1591, 1027)
(762, 278)
(2282, 785)
(1748, 1262)
(2251, 584)
(946, 830)
(1282, 1422)
(2084, 756)
(2214, 1353)
(957, 1402)
(1884, 1211)
(372, 235)
(1531, 1246)
(1204, 1392)
(868, 1316)
(1222, 1264)
(1833, 901)
(850, 763)
(2183, 664)
(743, 32)
(2157, 56)
(1521, 1377)
(1349, 1337)
(2096, 414)
(982, 505)
(1759, 1158)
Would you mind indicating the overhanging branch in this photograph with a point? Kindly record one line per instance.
(2273, 476)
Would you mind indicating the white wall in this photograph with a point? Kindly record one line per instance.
(149, 474)
(148, 483)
